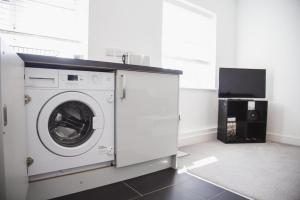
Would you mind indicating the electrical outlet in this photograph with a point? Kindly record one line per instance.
(120, 52)
(110, 52)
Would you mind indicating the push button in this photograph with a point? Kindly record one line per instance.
(110, 98)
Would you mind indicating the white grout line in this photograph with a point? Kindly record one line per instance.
(219, 186)
(153, 190)
(133, 189)
(160, 189)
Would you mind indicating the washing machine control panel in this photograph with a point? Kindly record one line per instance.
(69, 79)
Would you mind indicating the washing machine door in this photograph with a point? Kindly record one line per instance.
(70, 123)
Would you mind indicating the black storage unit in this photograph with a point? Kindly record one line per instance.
(238, 123)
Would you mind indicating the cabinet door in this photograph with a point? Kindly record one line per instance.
(146, 116)
(13, 169)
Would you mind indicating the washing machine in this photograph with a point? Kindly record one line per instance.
(70, 119)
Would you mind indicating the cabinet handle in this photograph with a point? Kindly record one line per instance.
(41, 78)
(5, 115)
(122, 87)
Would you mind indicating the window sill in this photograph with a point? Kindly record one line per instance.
(207, 89)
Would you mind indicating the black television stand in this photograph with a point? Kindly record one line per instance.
(242, 120)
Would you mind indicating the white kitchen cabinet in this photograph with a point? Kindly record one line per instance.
(146, 116)
(13, 169)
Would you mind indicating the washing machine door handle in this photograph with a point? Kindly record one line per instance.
(97, 122)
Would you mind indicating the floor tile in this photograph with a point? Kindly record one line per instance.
(170, 193)
(117, 191)
(155, 181)
(200, 188)
(228, 196)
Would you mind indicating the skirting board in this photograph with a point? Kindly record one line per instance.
(204, 135)
(283, 139)
(59, 186)
(197, 136)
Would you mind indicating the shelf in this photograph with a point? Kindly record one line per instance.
(256, 122)
(246, 131)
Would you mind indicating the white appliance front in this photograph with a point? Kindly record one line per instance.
(70, 119)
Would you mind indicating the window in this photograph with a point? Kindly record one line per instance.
(47, 27)
(189, 43)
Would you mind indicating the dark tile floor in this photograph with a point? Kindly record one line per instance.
(162, 185)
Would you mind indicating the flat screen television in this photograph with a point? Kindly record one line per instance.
(242, 83)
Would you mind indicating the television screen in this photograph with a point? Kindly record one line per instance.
(242, 83)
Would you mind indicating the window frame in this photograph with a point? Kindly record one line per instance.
(12, 34)
(212, 62)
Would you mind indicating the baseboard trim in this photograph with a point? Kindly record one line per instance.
(197, 136)
(285, 139)
(208, 134)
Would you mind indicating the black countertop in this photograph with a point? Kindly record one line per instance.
(37, 61)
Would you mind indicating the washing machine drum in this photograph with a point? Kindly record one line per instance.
(70, 123)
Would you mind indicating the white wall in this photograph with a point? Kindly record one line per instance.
(199, 108)
(268, 36)
(136, 25)
(133, 25)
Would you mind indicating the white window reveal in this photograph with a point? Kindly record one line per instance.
(189, 43)
(47, 27)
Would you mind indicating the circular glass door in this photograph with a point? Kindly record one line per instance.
(70, 123)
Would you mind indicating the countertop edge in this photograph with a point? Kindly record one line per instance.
(38, 61)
